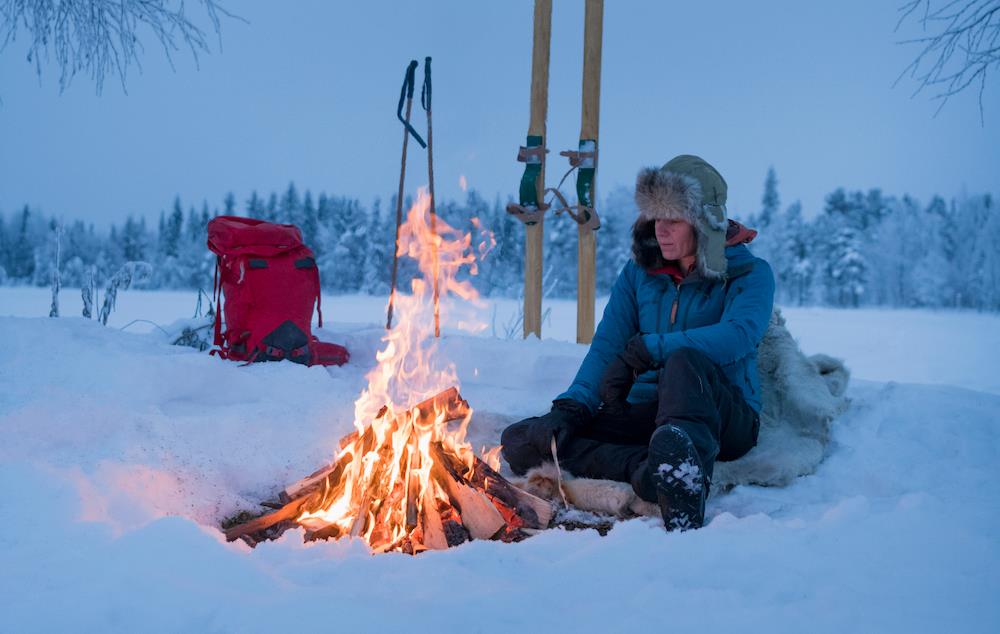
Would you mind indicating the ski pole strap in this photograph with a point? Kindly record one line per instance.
(406, 93)
(217, 297)
(425, 90)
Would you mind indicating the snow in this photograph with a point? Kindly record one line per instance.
(121, 453)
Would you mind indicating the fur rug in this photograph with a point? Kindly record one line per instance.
(802, 396)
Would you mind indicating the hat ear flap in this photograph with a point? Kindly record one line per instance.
(645, 248)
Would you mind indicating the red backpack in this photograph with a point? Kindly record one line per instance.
(270, 281)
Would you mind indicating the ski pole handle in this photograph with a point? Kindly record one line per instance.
(411, 72)
(406, 92)
(425, 92)
(406, 95)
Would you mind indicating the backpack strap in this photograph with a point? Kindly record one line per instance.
(217, 298)
(319, 299)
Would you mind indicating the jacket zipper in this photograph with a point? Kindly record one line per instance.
(673, 306)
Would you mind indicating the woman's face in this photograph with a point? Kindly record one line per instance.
(676, 238)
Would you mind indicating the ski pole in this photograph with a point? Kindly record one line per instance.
(425, 101)
(405, 96)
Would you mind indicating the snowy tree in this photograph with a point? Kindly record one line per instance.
(559, 255)
(229, 204)
(271, 209)
(5, 250)
(614, 240)
(980, 259)
(343, 244)
(770, 202)
(895, 254)
(310, 222)
(255, 207)
(22, 252)
(378, 256)
(290, 208)
(134, 240)
(171, 237)
(847, 270)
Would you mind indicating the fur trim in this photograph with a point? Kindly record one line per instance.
(667, 196)
(663, 195)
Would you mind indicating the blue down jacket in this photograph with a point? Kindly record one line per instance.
(725, 319)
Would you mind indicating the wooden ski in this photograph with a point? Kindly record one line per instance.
(587, 172)
(531, 207)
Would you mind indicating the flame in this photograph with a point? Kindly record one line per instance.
(387, 481)
(463, 183)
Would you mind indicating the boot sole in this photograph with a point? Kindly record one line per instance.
(678, 476)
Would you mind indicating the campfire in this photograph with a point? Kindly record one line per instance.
(407, 479)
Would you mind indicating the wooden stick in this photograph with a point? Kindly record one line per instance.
(288, 512)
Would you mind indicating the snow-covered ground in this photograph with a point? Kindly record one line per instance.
(120, 454)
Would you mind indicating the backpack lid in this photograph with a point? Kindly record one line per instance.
(235, 235)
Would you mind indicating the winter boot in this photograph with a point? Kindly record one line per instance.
(680, 481)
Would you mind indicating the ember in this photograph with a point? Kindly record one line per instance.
(407, 479)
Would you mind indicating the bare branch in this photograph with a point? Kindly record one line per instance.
(102, 37)
(960, 50)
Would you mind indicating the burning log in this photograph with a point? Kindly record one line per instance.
(449, 401)
(433, 536)
(534, 511)
(479, 516)
(399, 497)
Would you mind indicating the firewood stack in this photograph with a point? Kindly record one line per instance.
(463, 499)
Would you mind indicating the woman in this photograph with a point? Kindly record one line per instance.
(670, 382)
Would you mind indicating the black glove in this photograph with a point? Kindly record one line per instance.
(565, 415)
(621, 373)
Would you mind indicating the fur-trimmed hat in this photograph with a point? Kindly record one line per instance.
(686, 188)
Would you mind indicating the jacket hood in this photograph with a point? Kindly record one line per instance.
(688, 188)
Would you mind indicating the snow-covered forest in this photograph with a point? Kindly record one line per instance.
(860, 249)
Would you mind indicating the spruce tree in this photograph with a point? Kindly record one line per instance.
(22, 251)
(255, 206)
(290, 208)
(271, 209)
(172, 230)
(5, 250)
(770, 203)
(310, 222)
(229, 204)
(847, 270)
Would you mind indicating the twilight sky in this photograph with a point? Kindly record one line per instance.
(307, 92)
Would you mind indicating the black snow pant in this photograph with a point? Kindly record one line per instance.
(693, 394)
